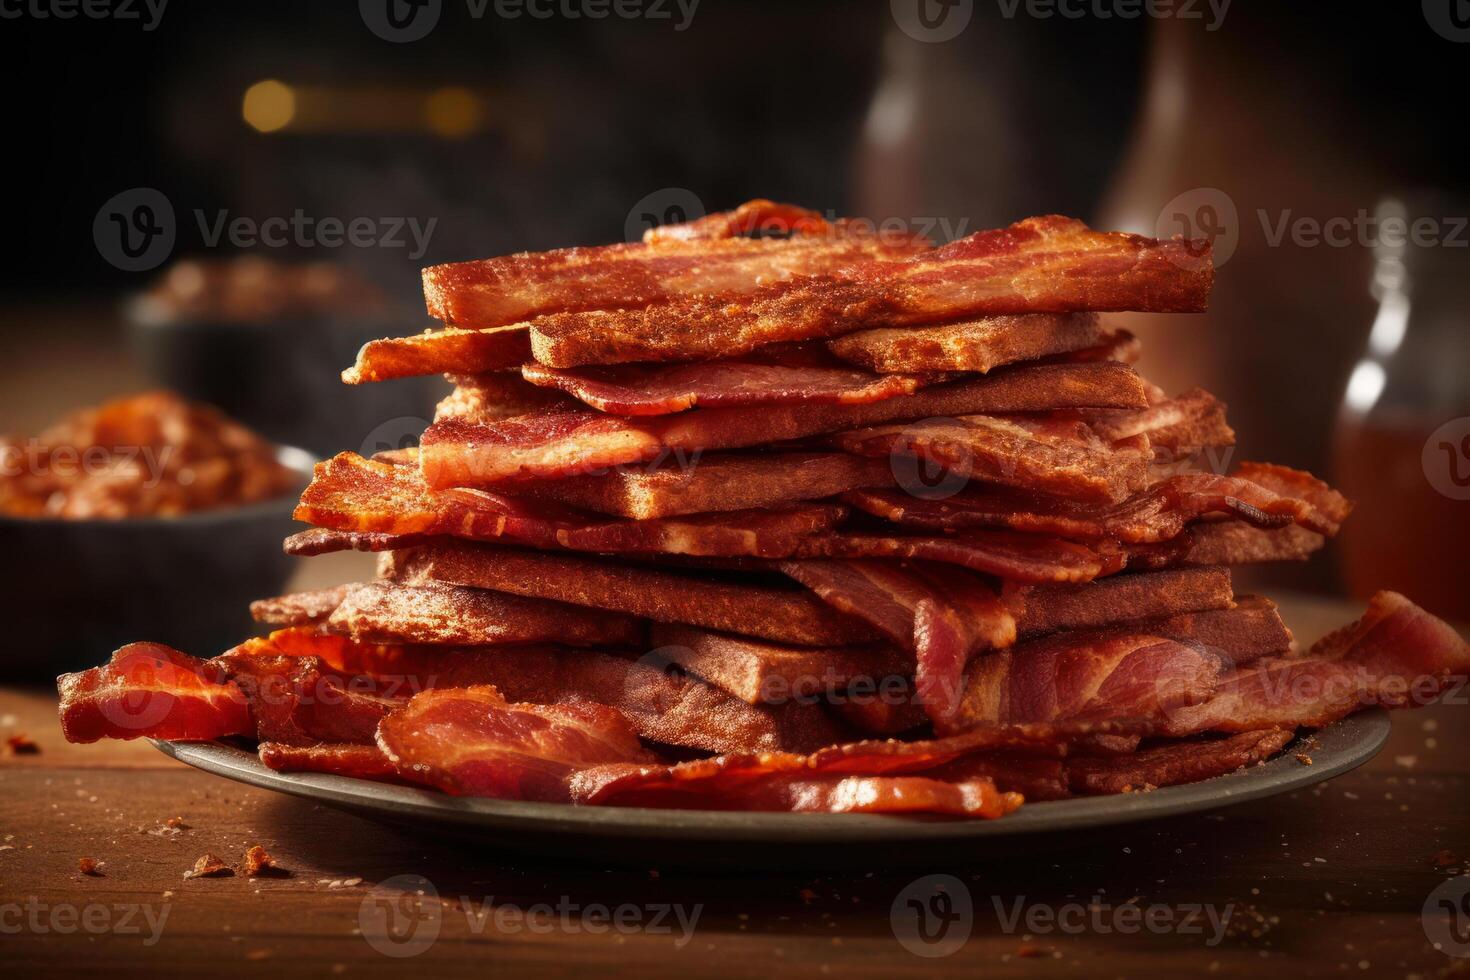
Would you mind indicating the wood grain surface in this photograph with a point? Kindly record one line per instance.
(1331, 881)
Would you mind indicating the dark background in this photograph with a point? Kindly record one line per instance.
(1314, 108)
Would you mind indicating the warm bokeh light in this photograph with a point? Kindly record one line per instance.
(453, 112)
(269, 105)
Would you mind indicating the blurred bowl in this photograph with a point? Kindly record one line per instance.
(76, 590)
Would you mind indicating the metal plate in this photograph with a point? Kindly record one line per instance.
(630, 835)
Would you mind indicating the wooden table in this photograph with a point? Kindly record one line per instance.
(1325, 882)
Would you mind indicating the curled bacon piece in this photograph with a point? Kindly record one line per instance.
(1005, 554)
(971, 345)
(472, 742)
(148, 689)
(449, 351)
(1396, 656)
(943, 616)
(559, 443)
(757, 217)
(358, 761)
(1040, 265)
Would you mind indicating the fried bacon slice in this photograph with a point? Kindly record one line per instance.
(1081, 675)
(1040, 265)
(315, 606)
(1227, 543)
(1176, 427)
(472, 742)
(349, 493)
(148, 689)
(1042, 609)
(715, 482)
(1056, 456)
(1005, 554)
(1158, 513)
(668, 269)
(1397, 655)
(459, 452)
(758, 217)
(970, 345)
(358, 761)
(786, 616)
(449, 351)
(942, 616)
(761, 672)
(436, 614)
(497, 395)
(641, 389)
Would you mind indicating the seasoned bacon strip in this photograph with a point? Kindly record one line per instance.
(497, 395)
(300, 607)
(715, 482)
(943, 616)
(1251, 629)
(662, 704)
(663, 390)
(379, 612)
(472, 742)
(515, 288)
(1396, 656)
(759, 216)
(876, 714)
(1227, 543)
(1117, 599)
(552, 444)
(1005, 554)
(148, 689)
(1060, 457)
(970, 345)
(760, 672)
(358, 761)
(1124, 673)
(1157, 514)
(1040, 265)
(787, 616)
(366, 497)
(449, 351)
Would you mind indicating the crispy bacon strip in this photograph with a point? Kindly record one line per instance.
(667, 269)
(970, 345)
(381, 612)
(786, 616)
(1005, 554)
(663, 390)
(358, 761)
(760, 672)
(472, 742)
(1227, 543)
(148, 689)
(1124, 673)
(943, 616)
(449, 351)
(299, 607)
(552, 444)
(349, 493)
(1042, 609)
(1040, 265)
(756, 217)
(1061, 457)
(715, 482)
(1396, 656)
(1159, 513)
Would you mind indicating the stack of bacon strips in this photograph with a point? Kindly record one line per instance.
(769, 512)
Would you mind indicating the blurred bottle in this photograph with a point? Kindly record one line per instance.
(1402, 445)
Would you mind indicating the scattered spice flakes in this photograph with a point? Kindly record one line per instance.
(259, 863)
(22, 744)
(209, 866)
(1303, 758)
(91, 867)
(1444, 859)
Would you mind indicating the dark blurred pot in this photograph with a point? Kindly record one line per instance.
(75, 590)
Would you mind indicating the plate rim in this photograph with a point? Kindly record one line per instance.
(1335, 749)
